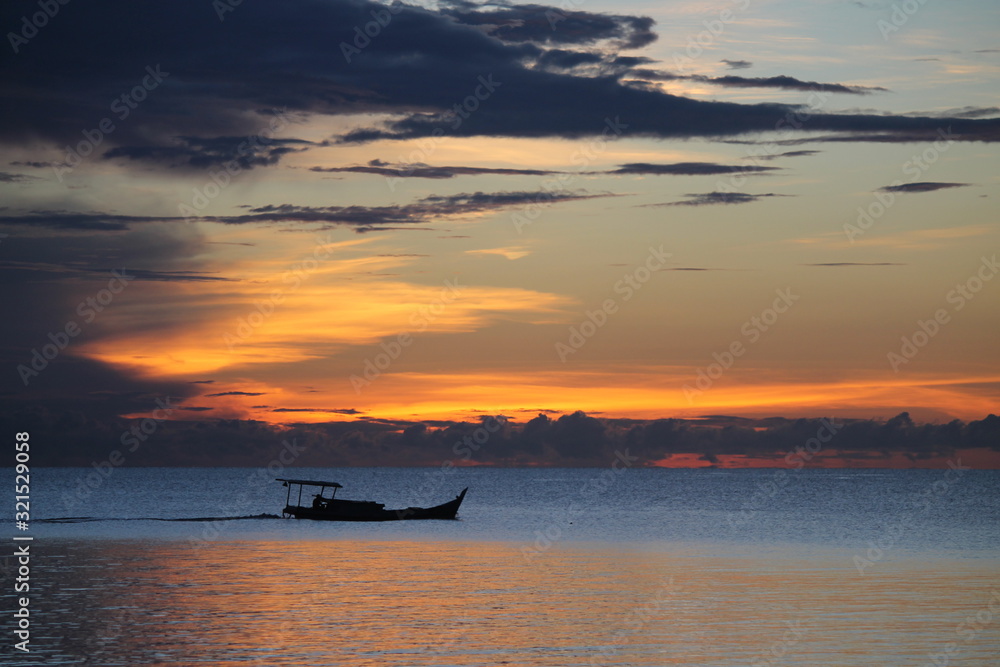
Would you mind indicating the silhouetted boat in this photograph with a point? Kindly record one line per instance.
(336, 509)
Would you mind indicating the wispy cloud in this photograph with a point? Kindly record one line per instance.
(843, 264)
(338, 411)
(737, 64)
(508, 253)
(7, 177)
(775, 156)
(420, 170)
(713, 198)
(691, 268)
(202, 152)
(688, 169)
(925, 186)
(781, 82)
(364, 218)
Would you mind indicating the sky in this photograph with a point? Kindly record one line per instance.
(317, 214)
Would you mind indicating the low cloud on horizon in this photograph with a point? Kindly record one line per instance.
(569, 440)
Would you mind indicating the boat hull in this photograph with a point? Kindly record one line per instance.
(364, 511)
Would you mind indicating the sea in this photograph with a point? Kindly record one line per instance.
(543, 567)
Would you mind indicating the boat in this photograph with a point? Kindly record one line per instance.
(338, 509)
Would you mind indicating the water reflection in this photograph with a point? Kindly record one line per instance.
(479, 603)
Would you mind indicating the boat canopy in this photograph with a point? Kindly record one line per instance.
(307, 482)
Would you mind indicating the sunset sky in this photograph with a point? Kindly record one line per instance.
(633, 209)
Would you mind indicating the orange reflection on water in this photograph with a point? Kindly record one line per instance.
(355, 602)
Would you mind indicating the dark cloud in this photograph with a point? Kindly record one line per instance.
(544, 24)
(690, 268)
(55, 283)
(562, 59)
(363, 218)
(569, 440)
(987, 132)
(147, 253)
(420, 170)
(970, 112)
(67, 220)
(69, 272)
(428, 209)
(173, 276)
(7, 177)
(856, 264)
(924, 186)
(222, 80)
(339, 411)
(33, 164)
(629, 61)
(712, 198)
(789, 83)
(235, 393)
(75, 397)
(775, 156)
(202, 153)
(687, 169)
(781, 82)
(737, 64)
(482, 201)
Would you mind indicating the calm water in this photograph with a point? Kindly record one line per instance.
(544, 567)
